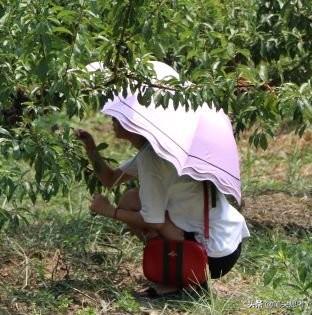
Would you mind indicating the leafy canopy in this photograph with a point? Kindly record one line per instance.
(252, 58)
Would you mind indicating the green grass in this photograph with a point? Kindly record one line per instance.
(78, 261)
(285, 171)
(67, 262)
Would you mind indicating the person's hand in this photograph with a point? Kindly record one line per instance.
(101, 205)
(86, 138)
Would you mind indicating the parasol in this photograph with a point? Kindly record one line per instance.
(198, 143)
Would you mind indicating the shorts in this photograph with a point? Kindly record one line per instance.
(219, 266)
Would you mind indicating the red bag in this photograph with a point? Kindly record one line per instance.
(177, 263)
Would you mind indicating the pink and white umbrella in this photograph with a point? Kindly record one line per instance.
(198, 143)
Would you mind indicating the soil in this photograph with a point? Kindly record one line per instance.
(268, 210)
(274, 208)
(279, 209)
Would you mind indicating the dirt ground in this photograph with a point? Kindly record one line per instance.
(268, 209)
(274, 208)
(279, 209)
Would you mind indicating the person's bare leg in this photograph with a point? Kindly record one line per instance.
(130, 201)
(130, 206)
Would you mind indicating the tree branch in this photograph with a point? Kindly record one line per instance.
(121, 38)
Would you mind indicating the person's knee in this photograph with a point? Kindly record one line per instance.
(169, 230)
(130, 200)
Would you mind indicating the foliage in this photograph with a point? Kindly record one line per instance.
(127, 302)
(98, 281)
(291, 267)
(253, 59)
(283, 261)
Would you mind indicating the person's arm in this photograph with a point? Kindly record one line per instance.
(104, 172)
(101, 205)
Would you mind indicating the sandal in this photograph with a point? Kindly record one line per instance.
(151, 293)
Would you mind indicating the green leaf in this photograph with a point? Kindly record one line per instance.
(269, 275)
(141, 99)
(32, 195)
(147, 97)
(303, 271)
(5, 132)
(263, 141)
(11, 187)
(110, 160)
(276, 281)
(263, 72)
(3, 19)
(61, 29)
(42, 69)
(101, 146)
(166, 99)
(39, 169)
(158, 98)
(147, 30)
(176, 101)
(124, 91)
(68, 16)
(308, 286)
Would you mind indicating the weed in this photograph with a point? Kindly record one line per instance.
(126, 302)
(206, 301)
(65, 260)
(87, 311)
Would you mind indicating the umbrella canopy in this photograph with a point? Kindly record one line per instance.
(198, 143)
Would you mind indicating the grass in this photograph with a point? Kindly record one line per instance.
(285, 167)
(56, 266)
(67, 262)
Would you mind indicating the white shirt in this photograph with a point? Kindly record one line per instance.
(162, 189)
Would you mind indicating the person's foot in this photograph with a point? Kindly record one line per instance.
(158, 291)
(164, 289)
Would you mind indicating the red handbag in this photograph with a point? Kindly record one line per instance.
(178, 263)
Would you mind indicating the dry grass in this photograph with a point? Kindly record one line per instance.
(72, 262)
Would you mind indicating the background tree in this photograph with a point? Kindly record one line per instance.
(251, 58)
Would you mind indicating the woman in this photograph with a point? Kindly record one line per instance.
(166, 204)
